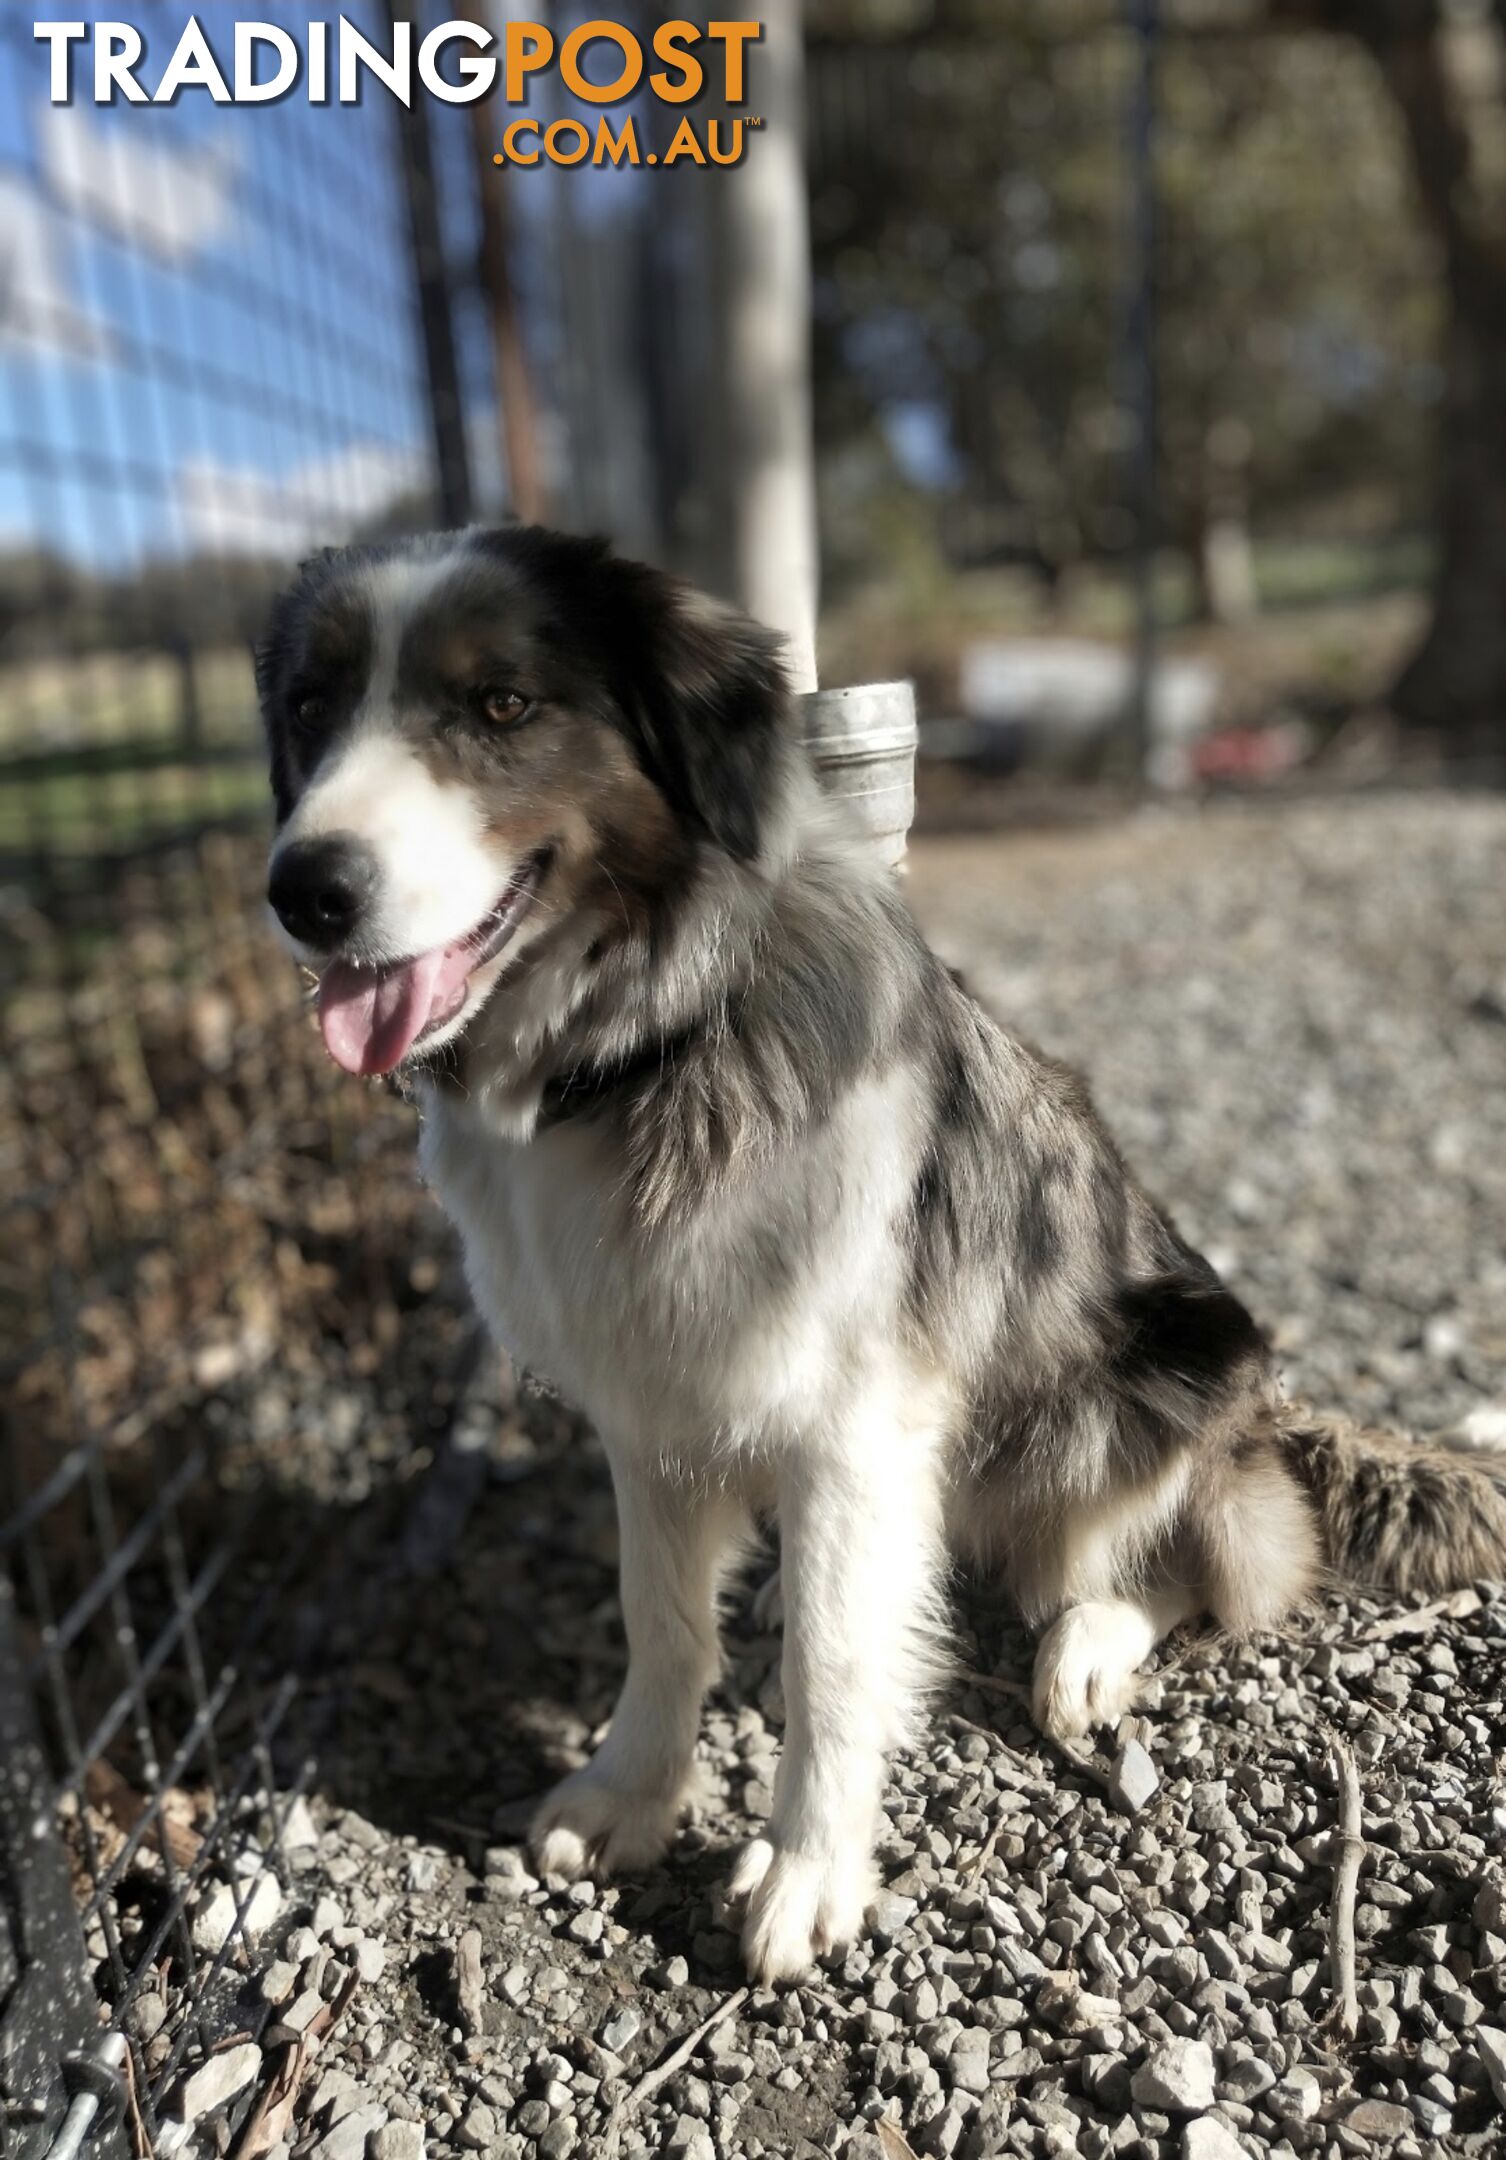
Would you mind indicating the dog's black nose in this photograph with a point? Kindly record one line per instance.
(319, 888)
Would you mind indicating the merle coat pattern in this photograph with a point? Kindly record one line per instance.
(746, 1172)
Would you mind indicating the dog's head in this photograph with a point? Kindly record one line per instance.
(480, 737)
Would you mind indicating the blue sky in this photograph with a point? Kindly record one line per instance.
(205, 330)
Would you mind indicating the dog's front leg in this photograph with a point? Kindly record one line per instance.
(622, 1809)
(860, 1546)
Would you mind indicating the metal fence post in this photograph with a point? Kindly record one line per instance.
(1142, 374)
(50, 2038)
(431, 279)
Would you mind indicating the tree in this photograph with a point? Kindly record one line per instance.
(970, 220)
(1444, 69)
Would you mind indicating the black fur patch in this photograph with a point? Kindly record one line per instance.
(1187, 1328)
(699, 688)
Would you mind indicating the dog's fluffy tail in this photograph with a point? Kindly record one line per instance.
(1403, 1514)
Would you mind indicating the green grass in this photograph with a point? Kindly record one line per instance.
(76, 809)
(124, 696)
(95, 755)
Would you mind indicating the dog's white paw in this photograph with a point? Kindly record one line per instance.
(1087, 1668)
(799, 1907)
(587, 1827)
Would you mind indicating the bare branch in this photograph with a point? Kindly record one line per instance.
(1351, 1845)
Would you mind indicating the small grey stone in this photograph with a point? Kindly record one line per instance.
(1296, 2098)
(217, 2080)
(1134, 1779)
(398, 2141)
(621, 2029)
(279, 1981)
(967, 2065)
(337, 2092)
(298, 1830)
(1489, 1910)
(1434, 2120)
(477, 2128)
(347, 2139)
(1246, 2079)
(690, 2140)
(890, 1914)
(147, 2015)
(1207, 2138)
(1381, 2119)
(217, 1919)
(298, 2015)
(328, 1917)
(1176, 2079)
(1490, 2046)
(923, 2004)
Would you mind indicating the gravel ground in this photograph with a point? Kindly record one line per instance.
(1296, 1024)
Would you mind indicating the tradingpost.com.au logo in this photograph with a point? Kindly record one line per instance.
(106, 63)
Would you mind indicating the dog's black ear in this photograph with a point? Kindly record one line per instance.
(704, 691)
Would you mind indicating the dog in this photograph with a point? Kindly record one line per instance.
(744, 1170)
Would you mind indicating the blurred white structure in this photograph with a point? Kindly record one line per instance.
(1064, 695)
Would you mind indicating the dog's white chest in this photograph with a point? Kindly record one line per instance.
(733, 1323)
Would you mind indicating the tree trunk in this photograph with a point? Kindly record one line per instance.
(517, 411)
(761, 284)
(1456, 681)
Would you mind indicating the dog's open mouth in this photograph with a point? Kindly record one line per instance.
(371, 1017)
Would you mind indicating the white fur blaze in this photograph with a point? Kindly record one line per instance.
(437, 873)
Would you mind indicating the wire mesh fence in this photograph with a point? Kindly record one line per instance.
(201, 1235)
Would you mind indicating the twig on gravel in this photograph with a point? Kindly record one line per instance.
(140, 2140)
(664, 2069)
(1351, 1839)
(896, 2145)
(273, 2112)
(991, 1684)
(1417, 1620)
(1079, 1760)
(469, 1993)
(985, 1852)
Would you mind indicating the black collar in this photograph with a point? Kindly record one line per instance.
(587, 1089)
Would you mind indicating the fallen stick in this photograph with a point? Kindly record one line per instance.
(470, 1991)
(1417, 1619)
(985, 1852)
(665, 2069)
(991, 1683)
(273, 2112)
(1351, 1842)
(1022, 1777)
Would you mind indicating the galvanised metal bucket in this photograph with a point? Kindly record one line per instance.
(862, 742)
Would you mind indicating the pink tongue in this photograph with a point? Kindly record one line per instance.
(371, 1017)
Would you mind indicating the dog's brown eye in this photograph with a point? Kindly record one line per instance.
(500, 706)
(310, 709)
